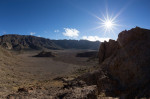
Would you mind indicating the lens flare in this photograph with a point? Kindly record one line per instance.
(108, 24)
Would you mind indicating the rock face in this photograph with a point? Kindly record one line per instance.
(107, 49)
(127, 63)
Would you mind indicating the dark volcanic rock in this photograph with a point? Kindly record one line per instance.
(45, 54)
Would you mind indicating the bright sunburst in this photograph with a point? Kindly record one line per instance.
(109, 24)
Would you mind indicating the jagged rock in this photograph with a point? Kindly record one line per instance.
(107, 49)
(127, 61)
(135, 34)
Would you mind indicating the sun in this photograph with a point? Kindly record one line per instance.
(108, 24)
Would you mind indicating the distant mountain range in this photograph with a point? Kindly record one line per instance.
(27, 42)
(77, 44)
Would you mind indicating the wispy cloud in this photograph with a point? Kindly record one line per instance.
(70, 32)
(32, 33)
(56, 31)
(95, 38)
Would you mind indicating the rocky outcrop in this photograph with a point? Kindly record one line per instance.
(107, 49)
(124, 66)
(127, 63)
(45, 54)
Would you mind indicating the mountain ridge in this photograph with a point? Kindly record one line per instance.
(23, 42)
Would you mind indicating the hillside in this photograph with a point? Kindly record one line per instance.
(26, 42)
(18, 42)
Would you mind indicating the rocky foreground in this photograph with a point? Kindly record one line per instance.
(123, 73)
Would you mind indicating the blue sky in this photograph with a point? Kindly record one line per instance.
(71, 19)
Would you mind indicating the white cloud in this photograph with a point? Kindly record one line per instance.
(71, 32)
(95, 38)
(32, 33)
(56, 31)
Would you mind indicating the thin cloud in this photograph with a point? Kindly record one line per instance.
(56, 31)
(95, 38)
(32, 33)
(71, 32)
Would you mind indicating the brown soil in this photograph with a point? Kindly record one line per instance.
(24, 71)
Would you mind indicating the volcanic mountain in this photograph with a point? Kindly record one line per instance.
(26, 42)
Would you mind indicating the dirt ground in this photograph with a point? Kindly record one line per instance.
(64, 62)
(26, 70)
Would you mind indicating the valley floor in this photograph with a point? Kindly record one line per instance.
(26, 71)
